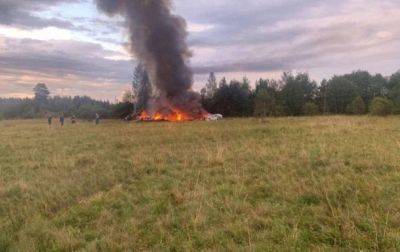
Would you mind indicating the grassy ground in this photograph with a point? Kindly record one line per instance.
(291, 183)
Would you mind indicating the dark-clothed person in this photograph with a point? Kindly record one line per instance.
(62, 120)
(49, 119)
(97, 120)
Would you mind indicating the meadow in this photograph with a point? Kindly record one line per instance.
(309, 183)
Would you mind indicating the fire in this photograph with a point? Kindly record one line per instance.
(158, 117)
(170, 115)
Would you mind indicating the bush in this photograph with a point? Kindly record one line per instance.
(356, 107)
(381, 107)
(310, 109)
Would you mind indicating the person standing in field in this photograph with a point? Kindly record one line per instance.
(49, 119)
(62, 119)
(97, 120)
(73, 119)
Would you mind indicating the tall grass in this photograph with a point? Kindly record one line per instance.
(289, 183)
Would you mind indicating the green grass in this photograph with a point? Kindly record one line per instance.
(291, 183)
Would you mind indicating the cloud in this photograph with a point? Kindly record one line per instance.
(227, 36)
(80, 67)
(23, 13)
(293, 34)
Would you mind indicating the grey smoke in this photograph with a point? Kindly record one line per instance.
(158, 39)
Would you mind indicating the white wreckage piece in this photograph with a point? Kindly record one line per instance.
(214, 117)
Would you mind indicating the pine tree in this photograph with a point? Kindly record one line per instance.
(211, 85)
(41, 96)
(141, 88)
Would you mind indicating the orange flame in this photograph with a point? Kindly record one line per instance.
(173, 115)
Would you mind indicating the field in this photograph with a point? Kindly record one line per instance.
(242, 184)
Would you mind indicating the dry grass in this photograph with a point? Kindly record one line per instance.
(291, 183)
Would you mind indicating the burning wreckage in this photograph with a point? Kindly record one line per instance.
(158, 41)
(176, 116)
(170, 114)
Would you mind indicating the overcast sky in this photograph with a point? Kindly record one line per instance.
(76, 50)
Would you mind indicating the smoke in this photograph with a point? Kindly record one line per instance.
(158, 39)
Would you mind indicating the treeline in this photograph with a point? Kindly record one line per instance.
(297, 94)
(356, 93)
(80, 106)
(43, 105)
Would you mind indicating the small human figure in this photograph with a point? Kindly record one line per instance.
(73, 119)
(97, 120)
(62, 119)
(49, 119)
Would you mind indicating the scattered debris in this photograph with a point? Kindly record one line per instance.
(214, 117)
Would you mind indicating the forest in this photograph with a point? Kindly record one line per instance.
(297, 94)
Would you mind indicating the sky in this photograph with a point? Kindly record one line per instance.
(76, 50)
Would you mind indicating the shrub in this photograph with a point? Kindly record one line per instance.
(356, 107)
(381, 107)
(310, 109)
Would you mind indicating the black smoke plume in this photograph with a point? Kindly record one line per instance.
(158, 39)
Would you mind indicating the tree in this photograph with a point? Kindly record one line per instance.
(246, 84)
(394, 80)
(394, 96)
(340, 92)
(393, 87)
(141, 88)
(41, 91)
(41, 95)
(356, 107)
(21, 108)
(264, 104)
(265, 98)
(121, 110)
(378, 86)
(223, 82)
(203, 93)
(367, 86)
(127, 97)
(296, 92)
(211, 86)
(231, 100)
(321, 96)
(88, 111)
(381, 106)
